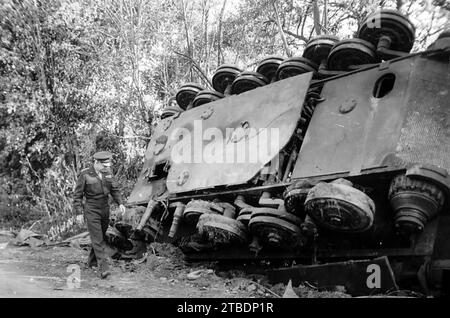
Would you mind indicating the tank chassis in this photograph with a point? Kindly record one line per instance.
(357, 183)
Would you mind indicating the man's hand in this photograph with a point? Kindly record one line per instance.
(122, 209)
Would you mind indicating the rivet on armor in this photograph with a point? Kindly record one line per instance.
(182, 178)
(347, 106)
(207, 113)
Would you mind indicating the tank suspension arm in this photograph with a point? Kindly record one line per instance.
(179, 209)
(383, 49)
(292, 159)
(151, 207)
(240, 202)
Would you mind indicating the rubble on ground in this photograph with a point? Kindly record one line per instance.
(30, 238)
(304, 291)
(7, 233)
(166, 263)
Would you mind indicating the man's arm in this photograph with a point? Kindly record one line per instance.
(78, 195)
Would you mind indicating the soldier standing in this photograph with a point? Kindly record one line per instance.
(95, 184)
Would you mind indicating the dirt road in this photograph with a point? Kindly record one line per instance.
(13, 284)
(43, 272)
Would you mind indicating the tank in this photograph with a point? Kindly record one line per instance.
(340, 167)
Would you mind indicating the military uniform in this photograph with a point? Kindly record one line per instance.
(96, 190)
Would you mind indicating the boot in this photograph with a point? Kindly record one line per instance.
(104, 269)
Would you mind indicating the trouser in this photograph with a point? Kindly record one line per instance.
(97, 219)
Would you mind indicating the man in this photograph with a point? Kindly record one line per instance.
(95, 184)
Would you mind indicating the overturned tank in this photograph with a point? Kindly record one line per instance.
(337, 160)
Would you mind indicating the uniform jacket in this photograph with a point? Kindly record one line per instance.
(95, 190)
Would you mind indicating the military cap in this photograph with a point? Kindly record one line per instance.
(103, 156)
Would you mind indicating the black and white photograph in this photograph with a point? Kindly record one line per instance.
(230, 156)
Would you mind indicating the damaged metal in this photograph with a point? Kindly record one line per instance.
(356, 190)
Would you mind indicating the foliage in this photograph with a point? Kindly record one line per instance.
(16, 208)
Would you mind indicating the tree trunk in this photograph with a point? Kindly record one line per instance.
(188, 41)
(316, 15)
(219, 35)
(280, 29)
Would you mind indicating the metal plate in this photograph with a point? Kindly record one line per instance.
(277, 105)
(144, 190)
(343, 139)
(366, 277)
(425, 136)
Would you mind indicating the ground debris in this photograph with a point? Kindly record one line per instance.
(130, 278)
(167, 250)
(396, 294)
(199, 273)
(289, 291)
(164, 259)
(78, 236)
(127, 267)
(305, 291)
(26, 237)
(140, 260)
(160, 266)
(7, 233)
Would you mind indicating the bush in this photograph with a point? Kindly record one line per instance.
(16, 216)
(17, 207)
(55, 200)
